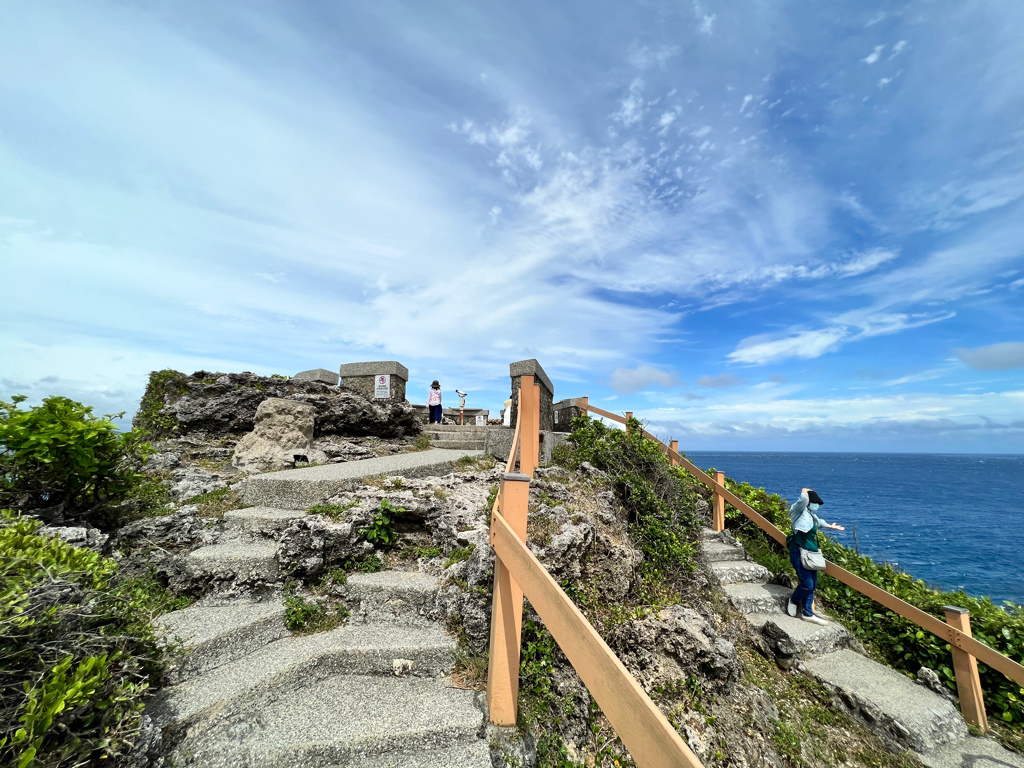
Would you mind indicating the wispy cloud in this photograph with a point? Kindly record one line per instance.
(994, 357)
(626, 380)
(721, 380)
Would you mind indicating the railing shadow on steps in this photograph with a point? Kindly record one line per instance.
(644, 730)
(956, 630)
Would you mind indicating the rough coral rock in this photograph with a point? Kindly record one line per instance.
(214, 404)
(283, 435)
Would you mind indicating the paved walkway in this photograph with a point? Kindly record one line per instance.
(301, 488)
(899, 710)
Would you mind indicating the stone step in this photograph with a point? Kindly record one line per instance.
(261, 521)
(740, 572)
(302, 488)
(405, 597)
(213, 635)
(461, 445)
(244, 685)
(758, 598)
(461, 429)
(718, 552)
(972, 752)
(893, 706)
(710, 534)
(809, 639)
(224, 562)
(342, 719)
(473, 755)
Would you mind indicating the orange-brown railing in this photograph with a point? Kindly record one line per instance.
(651, 740)
(956, 630)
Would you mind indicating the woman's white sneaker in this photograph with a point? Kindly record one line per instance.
(791, 608)
(816, 620)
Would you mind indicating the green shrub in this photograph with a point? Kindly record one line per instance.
(659, 498)
(333, 511)
(459, 554)
(77, 652)
(381, 529)
(58, 453)
(900, 642)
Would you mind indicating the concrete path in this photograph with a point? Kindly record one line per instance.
(302, 488)
(905, 714)
(376, 691)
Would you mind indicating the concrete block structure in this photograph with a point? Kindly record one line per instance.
(318, 374)
(547, 391)
(564, 412)
(381, 380)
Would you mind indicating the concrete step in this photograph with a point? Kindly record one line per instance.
(740, 572)
(473, 755)
(213, 635)
(892, 705)
(972, 752)
(404, 597)
(465, 428)
(810, 639)
(260, 521)
(340, 720)
(460, 445)
(757, 598)
(718, 552)
(242, 686)
(301, 488)
(246, 560)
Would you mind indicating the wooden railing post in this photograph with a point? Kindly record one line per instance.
(674, 445)
(718, 521)
(507, 608)
(629, 417)
(965, 666)
(529, 436)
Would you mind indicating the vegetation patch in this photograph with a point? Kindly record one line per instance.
(215, 503)
(459, 554)
(59, 455)
(421, 443)
(381, 530)
(304, 616)
(77, 653)
(163, 387)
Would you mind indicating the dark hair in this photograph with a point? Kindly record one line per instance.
(814, 498)
(435, 385)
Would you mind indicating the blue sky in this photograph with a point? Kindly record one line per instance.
(759, 225)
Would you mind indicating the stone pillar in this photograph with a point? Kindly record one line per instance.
(373, 380)
(565, 411)
(317, 374)
(547, 392)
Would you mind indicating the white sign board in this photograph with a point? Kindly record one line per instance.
(481, 421)
(382, 386)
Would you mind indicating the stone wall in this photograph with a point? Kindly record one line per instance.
(565, 412)
(360, 378)
(364, 387)
(499, 443)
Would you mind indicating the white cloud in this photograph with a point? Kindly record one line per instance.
(650, 57)
(626, 380)
(707, 24)
(721, 380)
(898, 49)
(761, 349)
(631, 108)
(875, 55)
(884, 82)
(994, 357)
(746, 100)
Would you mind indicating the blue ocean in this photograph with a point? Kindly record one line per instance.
(954, 521)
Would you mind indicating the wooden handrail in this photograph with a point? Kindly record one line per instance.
(647, 734)
(937, 627)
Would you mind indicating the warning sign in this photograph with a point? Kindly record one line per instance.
(481, 420)
(382, 386)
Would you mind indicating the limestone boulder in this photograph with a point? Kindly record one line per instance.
(283, 435)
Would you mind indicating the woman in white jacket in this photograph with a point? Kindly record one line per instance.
(434, 402)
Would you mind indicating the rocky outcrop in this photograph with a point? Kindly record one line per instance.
(213, 404)
(283, 435)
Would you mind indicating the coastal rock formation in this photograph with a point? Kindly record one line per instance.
(224, 404)
(283, 435)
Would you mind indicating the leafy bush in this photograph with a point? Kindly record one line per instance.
(77, 652)
(381, 529)
(659, 498)
(898, 641)
(162, 386)
(58, 454)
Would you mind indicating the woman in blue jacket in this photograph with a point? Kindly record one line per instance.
(805, 536)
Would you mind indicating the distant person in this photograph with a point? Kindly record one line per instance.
(804, 539)
(434, 402)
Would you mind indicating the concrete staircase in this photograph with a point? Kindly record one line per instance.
(456, 437)
(903, 713)
(376, 691)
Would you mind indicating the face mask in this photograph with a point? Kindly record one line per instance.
(813, 507)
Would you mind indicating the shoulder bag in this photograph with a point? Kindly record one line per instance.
(812, 561)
